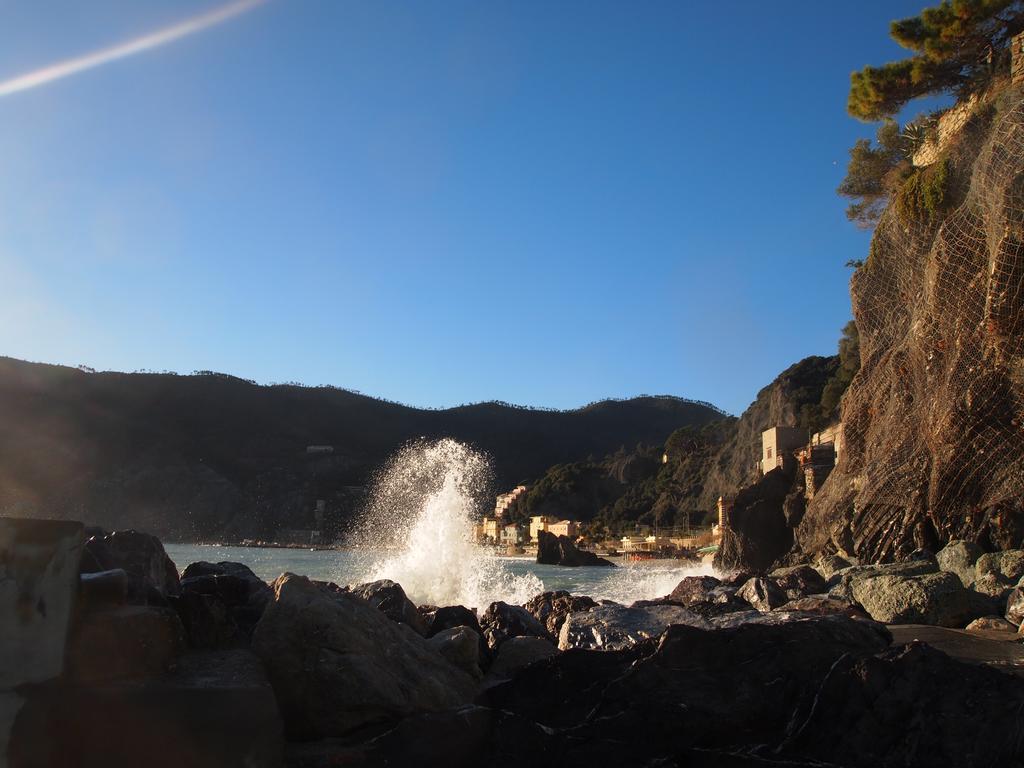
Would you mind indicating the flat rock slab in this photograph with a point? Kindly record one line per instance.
(989, 648)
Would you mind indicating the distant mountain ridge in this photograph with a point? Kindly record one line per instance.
(211, 456)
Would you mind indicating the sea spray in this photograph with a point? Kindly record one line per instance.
(418, 529)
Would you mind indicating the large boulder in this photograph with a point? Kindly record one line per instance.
(560, 550)
(461, 646)
(518, 653)
(552, 608)
(959, 557)
(842, 582)
(389, 597)
(762, 593)
(220, 603)
(911, 705)
(1008, 565)
(446, 617)
(757, 531)
(930, 598)
(995, 588)
(997, 574)
(799, 581)
(612, 627)
(152, 575)
(693, 589)
(336, 663)
(687, 688)
(828, 564)
(502, 621)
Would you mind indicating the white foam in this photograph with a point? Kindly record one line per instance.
(421, 515)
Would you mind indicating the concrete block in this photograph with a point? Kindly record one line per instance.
(39, 564)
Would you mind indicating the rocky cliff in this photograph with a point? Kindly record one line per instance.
(791, 400)
(934, 420)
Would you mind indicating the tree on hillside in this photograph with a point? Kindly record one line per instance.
(849, 364)
(958, 45)
(874, 173)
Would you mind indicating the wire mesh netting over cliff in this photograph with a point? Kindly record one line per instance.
(934, 444)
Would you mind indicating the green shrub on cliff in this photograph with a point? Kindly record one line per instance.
(958, 45)
(925, 195)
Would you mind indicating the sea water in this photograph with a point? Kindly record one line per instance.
(417, 529)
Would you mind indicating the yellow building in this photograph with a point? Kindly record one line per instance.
(564, 528)
(490, 529)
(539, 523)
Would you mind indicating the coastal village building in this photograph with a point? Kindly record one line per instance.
(539, 523)
(489, 529)
(511, 535)
(777, 442)
(504, 501)
(568, 528)
(819, 458)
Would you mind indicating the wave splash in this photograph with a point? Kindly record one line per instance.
(418, 529)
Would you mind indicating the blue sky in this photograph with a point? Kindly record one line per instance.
(541, 202)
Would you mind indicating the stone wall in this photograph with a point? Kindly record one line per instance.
(949, 125)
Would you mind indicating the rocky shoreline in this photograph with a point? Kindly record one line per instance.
(213, 666)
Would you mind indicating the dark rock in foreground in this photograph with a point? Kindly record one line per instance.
(559, 550)
(613, 627)
(152, 576)
(758, 533)
(220, 603)
(337, 663)
(389, 597)
(552, 608)
(502, 621)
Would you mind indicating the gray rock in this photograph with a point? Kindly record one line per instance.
(762, 593)
(841, 583)
(461, 646)
(502, 621)
(1008, 565)
(551, 608)
(828, 565)
(611, 628)
(388, 597)
(336, 663)
(1015, 606)
(995, 587)
(959, 557)
(694, 589)
(930, 598)
(798, 581)
(518, 653)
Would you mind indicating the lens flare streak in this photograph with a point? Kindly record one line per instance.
(148, 42)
